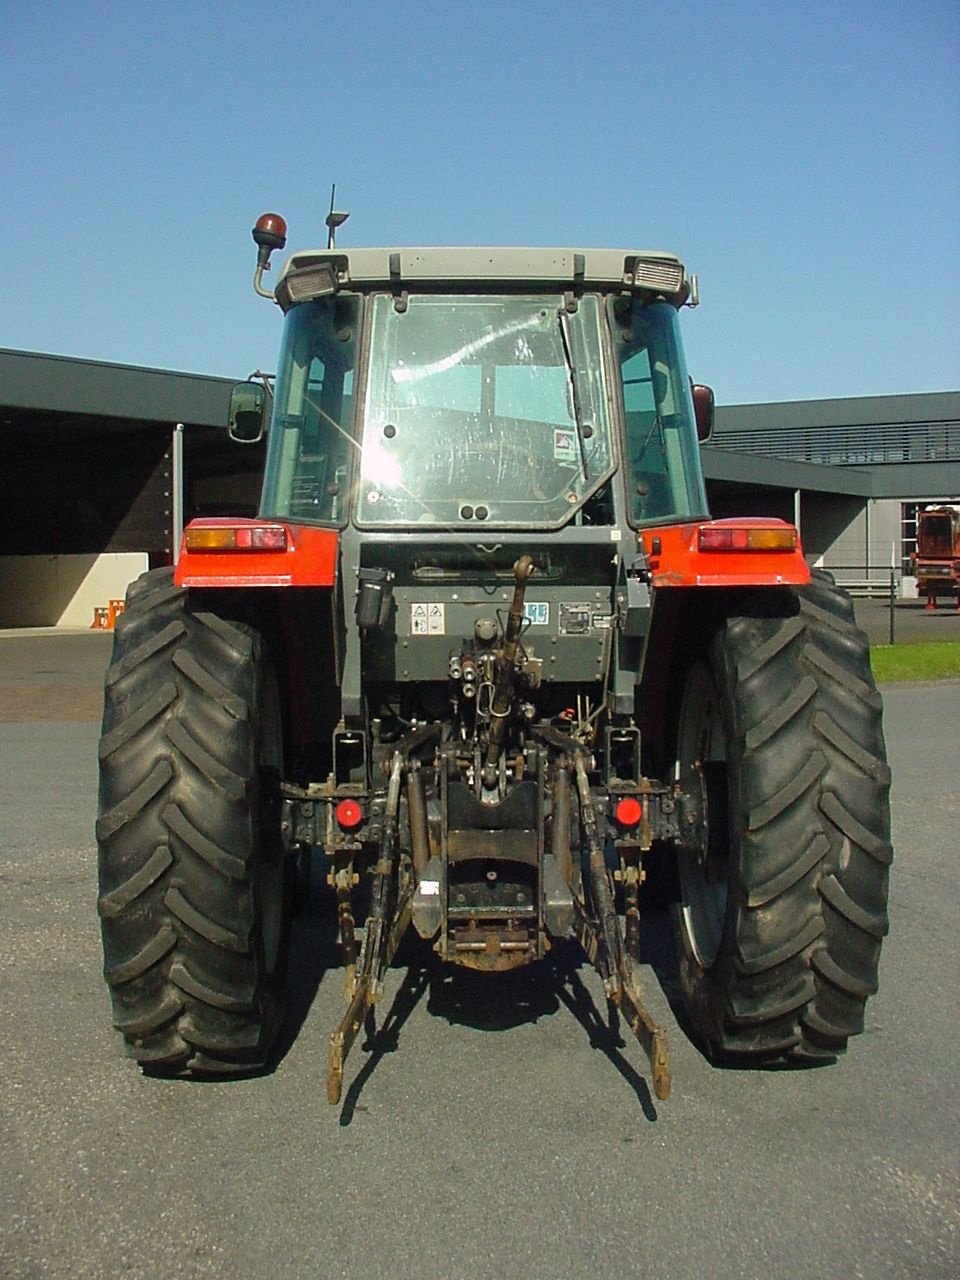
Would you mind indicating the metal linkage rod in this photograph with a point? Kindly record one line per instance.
(506, 672)
(376, 953)
(603, 942)
(390, 908)
(600, 885)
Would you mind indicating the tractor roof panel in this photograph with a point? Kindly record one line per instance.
(314, 272)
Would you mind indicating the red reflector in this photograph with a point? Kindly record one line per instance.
(262, 537)
(722, 540)
(349, 815)
(628, 812)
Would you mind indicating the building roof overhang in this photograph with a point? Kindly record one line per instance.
(93, 388)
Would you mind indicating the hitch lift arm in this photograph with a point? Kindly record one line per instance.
(390, 910)
(602, 940)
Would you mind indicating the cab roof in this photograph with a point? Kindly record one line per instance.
(317, 272)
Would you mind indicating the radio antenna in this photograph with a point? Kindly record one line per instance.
(334, 220)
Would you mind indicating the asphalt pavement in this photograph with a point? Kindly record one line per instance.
(500, 1128)
(913, 623)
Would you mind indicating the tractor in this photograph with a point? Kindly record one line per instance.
(936, 561)
(484, 656)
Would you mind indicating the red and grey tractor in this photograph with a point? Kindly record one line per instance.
(485, 657)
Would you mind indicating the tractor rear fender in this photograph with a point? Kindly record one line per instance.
(238, 564)
(227, 552)
(696, 571)
(739, 552)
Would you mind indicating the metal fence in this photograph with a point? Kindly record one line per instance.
(870, 584)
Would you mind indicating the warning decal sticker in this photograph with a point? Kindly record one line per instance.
(428, 619)
(564, 445)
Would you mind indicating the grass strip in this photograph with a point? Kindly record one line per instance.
(936, 661)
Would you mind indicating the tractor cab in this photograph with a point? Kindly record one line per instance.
(416, 400)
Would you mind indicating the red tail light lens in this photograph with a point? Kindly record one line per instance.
(349, 815)
(628, 812)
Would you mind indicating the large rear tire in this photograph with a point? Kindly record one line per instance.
(194, 900)
(783, 907)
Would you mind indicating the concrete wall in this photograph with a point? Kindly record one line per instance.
(885, 534)
(63, 590)
(857, 539)
(833, 528)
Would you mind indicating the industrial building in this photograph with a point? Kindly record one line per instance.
(859, 470)
(102, 464)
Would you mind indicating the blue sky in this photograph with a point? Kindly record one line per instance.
(803, 159)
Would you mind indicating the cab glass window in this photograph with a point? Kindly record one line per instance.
(309, 455)
(663, 474)
(486, 408)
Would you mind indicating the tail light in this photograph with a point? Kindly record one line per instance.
(746, 538)
(349, 815)
(235, 537)
(628, 812)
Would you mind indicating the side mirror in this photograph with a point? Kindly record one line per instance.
(703, 404)
(248, 403)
